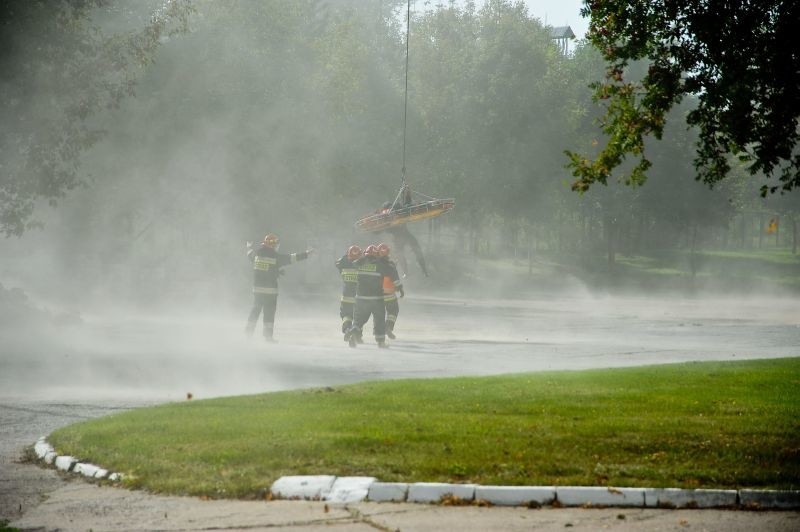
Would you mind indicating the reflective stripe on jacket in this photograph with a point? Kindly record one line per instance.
(266, 267)
(349, 274)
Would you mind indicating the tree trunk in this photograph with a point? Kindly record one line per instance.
(610, 242)
(640, 234)
(530, 255)
(473, 242)
(514, 241)
(760, 222)
(743, 231)
(725, 236)
(692, 250)
(794, 235)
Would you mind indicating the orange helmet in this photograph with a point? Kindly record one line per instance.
(383, 249)
(371, 251)
(353, 252)
(271, 240)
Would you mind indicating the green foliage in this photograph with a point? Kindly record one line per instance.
(736, 60)
(60, 69)
(711, 425)
(287, 116)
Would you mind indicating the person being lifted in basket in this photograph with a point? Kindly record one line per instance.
(401, 236)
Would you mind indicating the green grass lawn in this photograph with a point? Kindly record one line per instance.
(710, 425)
(779, 268)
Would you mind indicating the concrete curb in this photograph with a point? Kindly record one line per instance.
(600, 496)
(350, 489)
(388, 492)
(45, 452)
(756, 499)
(532, 496)
(438, 492)
(569, 496)
(310, 487)
(678, 498)
(358, 489)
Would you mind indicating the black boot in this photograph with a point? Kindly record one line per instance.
(351, 336)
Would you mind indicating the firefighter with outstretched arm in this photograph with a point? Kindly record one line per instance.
(266, 269)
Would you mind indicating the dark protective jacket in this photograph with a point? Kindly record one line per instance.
(266, 264)
(349, 272)
(371, 271)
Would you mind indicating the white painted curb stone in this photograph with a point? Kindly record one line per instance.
(87, 470)
(388, 492)
(314, 487)
(349, 489)
(599, 496)
(46, 452)
(680, 498)
(65, 463)
(354, 489)
(515, 495)
(435, 491)
(769, 499)
(41, 448)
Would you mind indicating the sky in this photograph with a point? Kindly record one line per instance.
(550, 12)
(560, 13)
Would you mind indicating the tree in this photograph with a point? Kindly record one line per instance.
(485, 106)
(741, 62)
(60, 68)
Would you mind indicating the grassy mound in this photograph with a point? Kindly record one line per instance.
(710, 425)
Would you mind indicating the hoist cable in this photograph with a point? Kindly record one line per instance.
(405, 103)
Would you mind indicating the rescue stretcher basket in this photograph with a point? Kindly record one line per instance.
(398, 216)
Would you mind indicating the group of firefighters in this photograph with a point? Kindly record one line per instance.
(370, 286)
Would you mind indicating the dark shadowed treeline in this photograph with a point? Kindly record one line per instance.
(287, 116)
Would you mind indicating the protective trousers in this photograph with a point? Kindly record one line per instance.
(266, 303)
(375, 308)
(392, 310)
(346, 310)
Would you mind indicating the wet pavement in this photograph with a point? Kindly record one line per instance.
(112, 361)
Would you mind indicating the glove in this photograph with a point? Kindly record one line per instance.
(402, 292)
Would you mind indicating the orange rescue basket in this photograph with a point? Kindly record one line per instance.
(401, 215)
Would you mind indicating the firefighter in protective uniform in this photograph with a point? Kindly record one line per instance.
(349, 272)
(369, 296)
(389, 291)
(266, 269)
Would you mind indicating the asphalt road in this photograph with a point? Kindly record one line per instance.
(54, 375)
